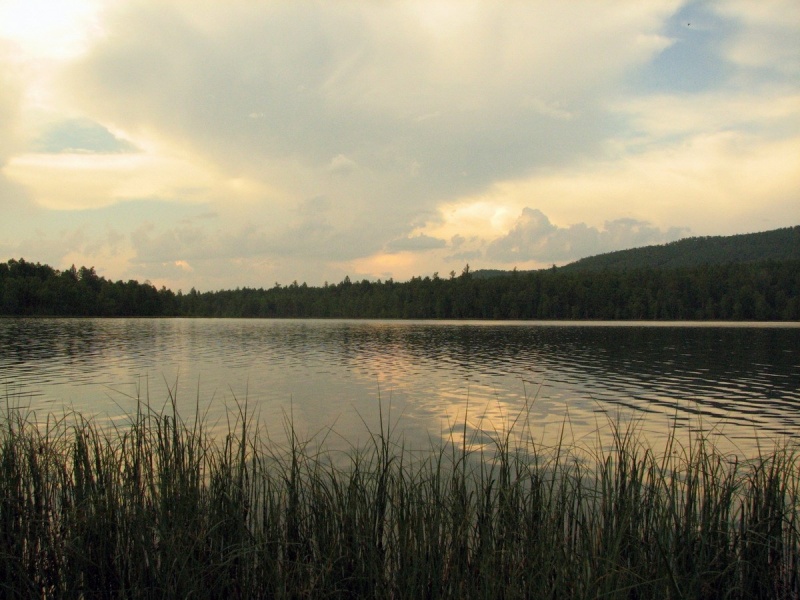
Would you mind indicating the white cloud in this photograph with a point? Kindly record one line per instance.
(355, 79)
(772, 112)
(43, 28)
(14, 198)
(80, 181)
(356, 137)
(766, 34)
(10, 98)
(341, 164)
(717, 184)
(534, 237)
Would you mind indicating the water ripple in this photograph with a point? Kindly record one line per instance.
(745, 379)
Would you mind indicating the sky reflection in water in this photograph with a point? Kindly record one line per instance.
(328, 376)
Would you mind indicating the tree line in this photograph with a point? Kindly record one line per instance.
(31, 289)
(765, 291)
(778, 245)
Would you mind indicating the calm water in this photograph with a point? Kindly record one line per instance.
(330, 377)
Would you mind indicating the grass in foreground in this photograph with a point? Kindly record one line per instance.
(158, 509)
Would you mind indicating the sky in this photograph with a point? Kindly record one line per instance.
(238, 143)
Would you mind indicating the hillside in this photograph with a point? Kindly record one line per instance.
(776, 245)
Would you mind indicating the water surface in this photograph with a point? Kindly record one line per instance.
(332, 377)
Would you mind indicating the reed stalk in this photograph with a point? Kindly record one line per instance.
(157, 508)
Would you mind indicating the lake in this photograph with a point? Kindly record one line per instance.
(334, 379)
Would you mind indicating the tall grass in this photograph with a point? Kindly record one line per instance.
(159, 509)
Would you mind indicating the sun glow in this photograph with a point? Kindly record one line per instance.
(81, 181)
(48, 29)
(473, 217)
(400, 265)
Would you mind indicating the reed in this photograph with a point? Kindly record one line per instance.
(157, 508)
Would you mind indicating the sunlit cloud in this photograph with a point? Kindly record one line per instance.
(79, 181)
(771, 113)
(395, 265)
(49, 29)
(10, 99)
(535, 238)
(715, 184)
(388, 139)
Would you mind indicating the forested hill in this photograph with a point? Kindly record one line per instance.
(767, 290)
(777, 245)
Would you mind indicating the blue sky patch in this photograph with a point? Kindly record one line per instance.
(81, 136)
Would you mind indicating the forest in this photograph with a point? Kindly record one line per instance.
(778, 244)
(763, 291)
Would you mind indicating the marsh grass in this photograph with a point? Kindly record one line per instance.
(157, 508)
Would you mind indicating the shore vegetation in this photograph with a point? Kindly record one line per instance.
(156, 507)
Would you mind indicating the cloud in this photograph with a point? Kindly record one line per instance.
(9, 108)
(764, 36)
(534, 237)
(80, 244)
(467, 255)
(306, 240)
(417, 243)
(665, 118)
(513, 88)
(187, 241)
(14, 198)
(397, 137)
(717, 183)
(414, 104)
(54, 30)
(85, 179)
(340, 164)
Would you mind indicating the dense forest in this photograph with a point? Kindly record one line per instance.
(778, 244)
(30, 289)
(767, 290)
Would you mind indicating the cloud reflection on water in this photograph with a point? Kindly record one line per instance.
(332, 379)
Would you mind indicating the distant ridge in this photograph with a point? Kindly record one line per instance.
(776, 245)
